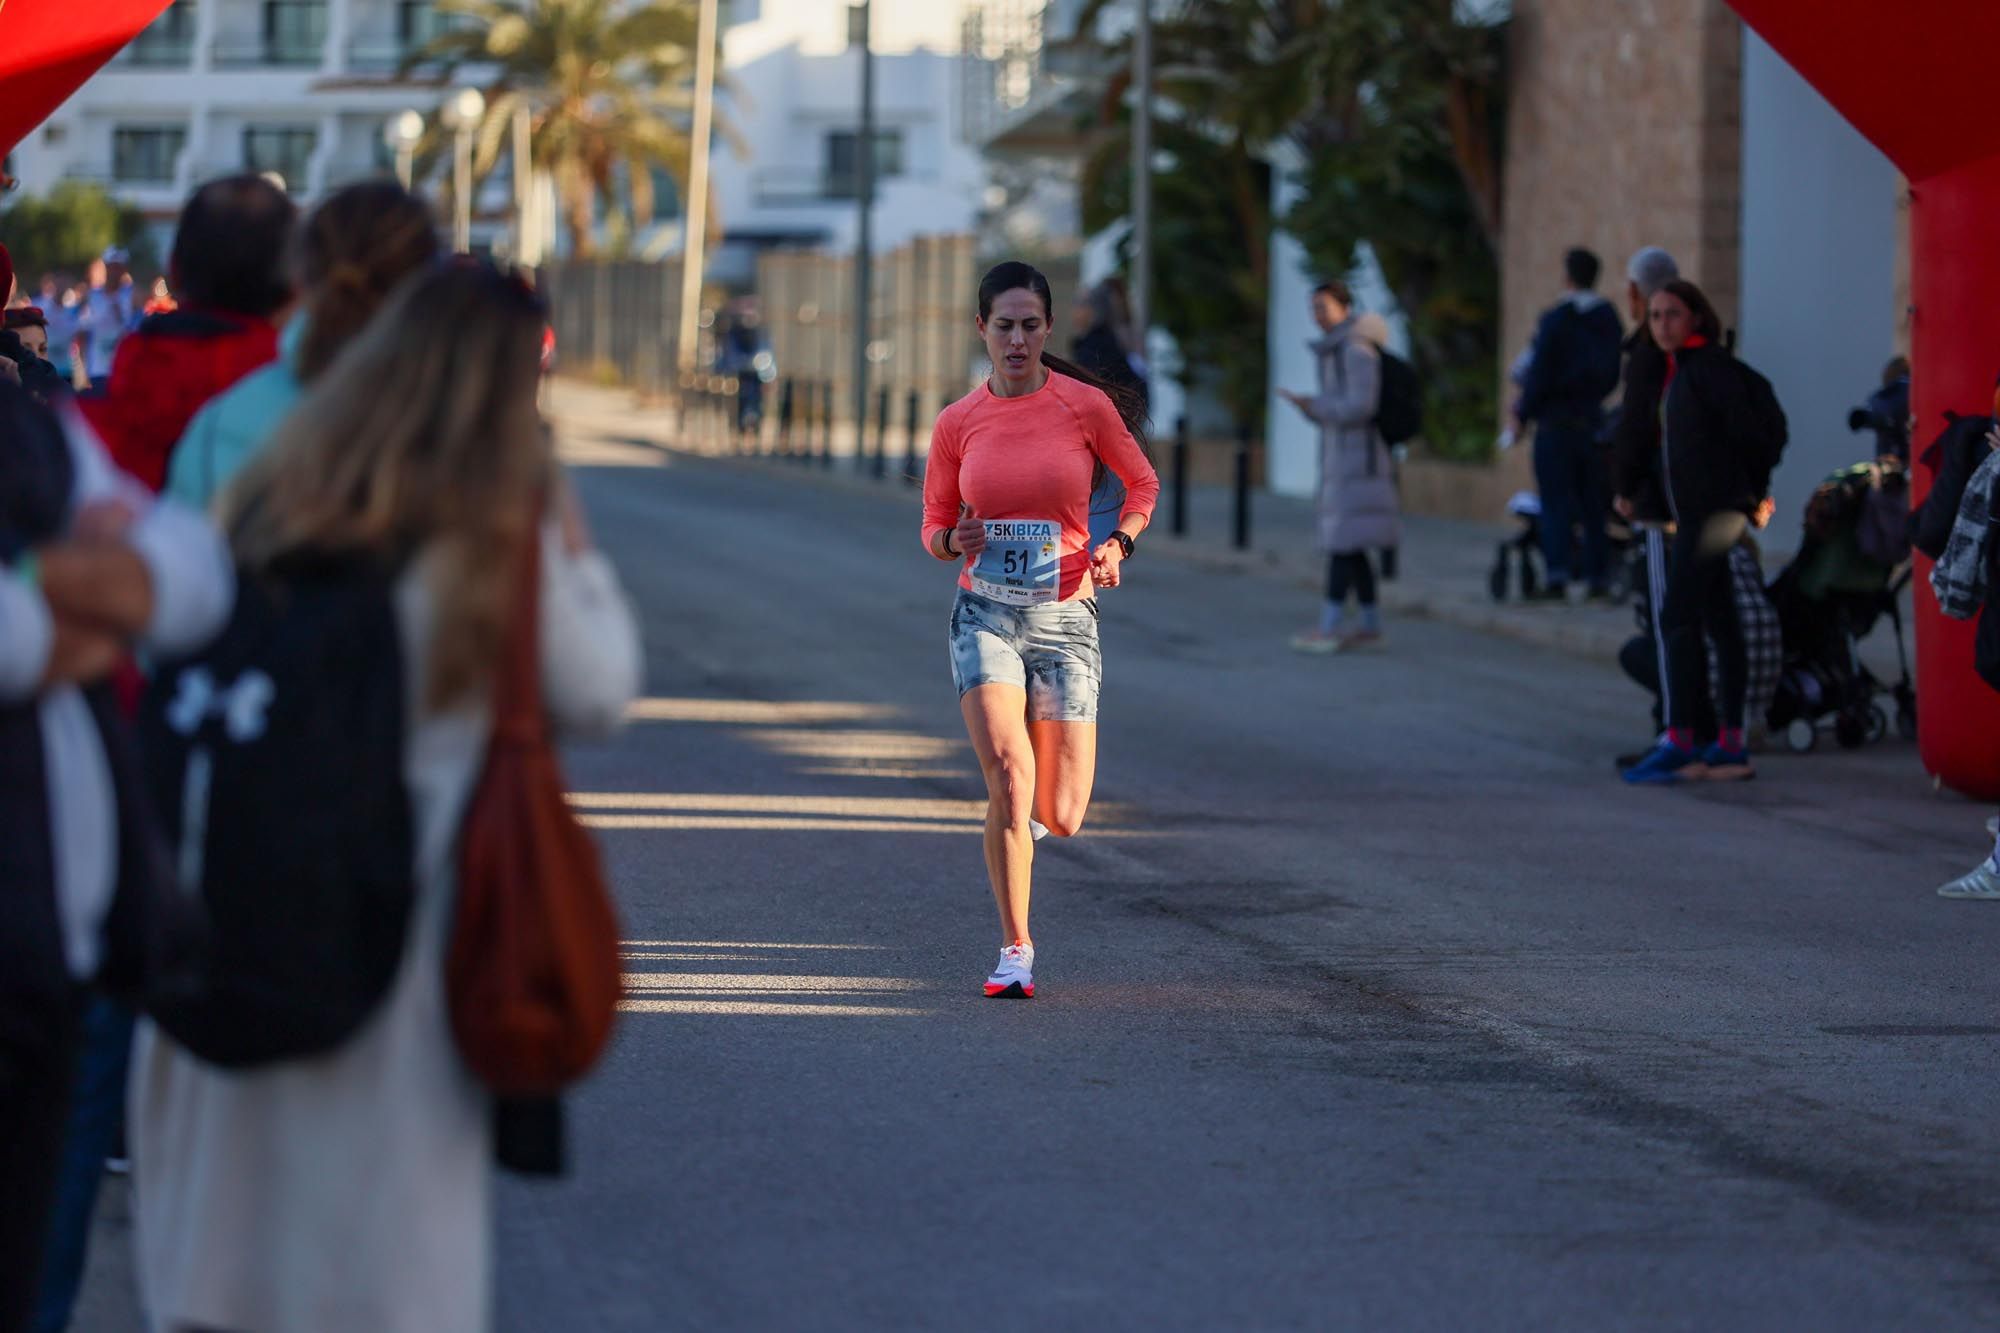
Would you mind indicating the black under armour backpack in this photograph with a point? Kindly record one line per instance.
(1399, 414)
(275, 758)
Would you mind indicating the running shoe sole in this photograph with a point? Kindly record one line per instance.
(1013, 990)
(1728, 773)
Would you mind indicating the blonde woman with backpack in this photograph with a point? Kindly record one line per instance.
(350, 1189)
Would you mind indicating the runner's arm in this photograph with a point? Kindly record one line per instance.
(942, 501)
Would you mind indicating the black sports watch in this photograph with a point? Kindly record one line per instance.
(1124, 542)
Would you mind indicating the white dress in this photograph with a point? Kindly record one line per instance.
(352, 1191)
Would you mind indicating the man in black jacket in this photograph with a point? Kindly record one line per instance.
(1572, 370)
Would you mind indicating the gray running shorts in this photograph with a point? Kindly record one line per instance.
(1050, 651)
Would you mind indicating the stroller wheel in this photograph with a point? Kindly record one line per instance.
(1850, 730)
(1878, 724)
(1801, 735)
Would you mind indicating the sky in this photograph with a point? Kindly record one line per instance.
(820, 26)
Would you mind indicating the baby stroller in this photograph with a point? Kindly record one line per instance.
(1850, 570)
(1522, 550)
(1624, 554)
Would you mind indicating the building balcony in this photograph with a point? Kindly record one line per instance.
(156, 53)
(809, 187)
(258, 53)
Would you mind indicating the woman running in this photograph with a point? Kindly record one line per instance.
(1012, 468)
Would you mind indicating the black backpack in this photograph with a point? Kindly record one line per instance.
(1763, 433)
(275, 758)
(1399, 415)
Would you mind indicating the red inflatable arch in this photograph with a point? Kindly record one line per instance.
(49, 47)
(1916, 79)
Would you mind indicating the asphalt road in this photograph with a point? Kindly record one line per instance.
(1368, 998)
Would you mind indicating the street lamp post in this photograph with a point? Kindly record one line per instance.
(694, 245)
(400, 136)
(860, 32)
(462, 114)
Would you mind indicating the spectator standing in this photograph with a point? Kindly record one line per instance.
(1357, 510)
(1887, 412)
(89, 566)
(1571, 370)
(743, 355)
(229, 255)
(1721, 434)
(353, 251)
(32, 324)
(1103, 345)
(1634, 431)
(106, 314)
(60, 303)
(229, 264)
(1954, 527)
(351, 1189)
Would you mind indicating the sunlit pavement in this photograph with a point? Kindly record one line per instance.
(1368, 998)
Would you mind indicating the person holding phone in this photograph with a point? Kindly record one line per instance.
(1007, 497)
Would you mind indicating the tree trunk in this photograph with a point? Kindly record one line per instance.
(579, 211)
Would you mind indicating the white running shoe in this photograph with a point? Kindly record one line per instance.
(1037, 829)
(1982, 882)
(1014, 978)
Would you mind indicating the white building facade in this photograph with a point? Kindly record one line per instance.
(302, 88)
(793, 94)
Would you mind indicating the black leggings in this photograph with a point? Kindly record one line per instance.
(1350, 569)
(1700, 602)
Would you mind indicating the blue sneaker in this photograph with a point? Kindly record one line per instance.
(1720, 765)
(1664, 763)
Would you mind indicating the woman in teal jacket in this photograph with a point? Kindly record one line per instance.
(354, 250)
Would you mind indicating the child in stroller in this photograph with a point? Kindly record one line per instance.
(1849, 572)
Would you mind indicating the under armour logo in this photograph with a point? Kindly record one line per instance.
(242, 707)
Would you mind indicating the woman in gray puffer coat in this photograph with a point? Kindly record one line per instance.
(1358, 509)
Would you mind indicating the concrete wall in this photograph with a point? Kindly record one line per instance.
(1819, 308)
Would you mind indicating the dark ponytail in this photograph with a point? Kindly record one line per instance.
(1015, 276)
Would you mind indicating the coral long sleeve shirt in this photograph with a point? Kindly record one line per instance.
(1033, 457)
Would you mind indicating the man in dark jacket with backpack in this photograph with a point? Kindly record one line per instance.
(1572, 370)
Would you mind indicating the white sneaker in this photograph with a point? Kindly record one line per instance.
(1037, 829)
(1983, 881)
(1014, 978)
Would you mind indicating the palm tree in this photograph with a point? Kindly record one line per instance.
(608, 86)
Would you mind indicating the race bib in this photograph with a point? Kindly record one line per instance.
(1022, 562)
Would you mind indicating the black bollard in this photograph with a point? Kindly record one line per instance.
(882, 432)
(826, 423)
(1180, 476)
(785, 418)
(1243, 487)
(910, 440)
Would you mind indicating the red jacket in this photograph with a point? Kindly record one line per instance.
(163, 374)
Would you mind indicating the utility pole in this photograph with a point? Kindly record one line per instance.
(1142, 181)
(860, 34)
(694, 246)
(527, 248)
